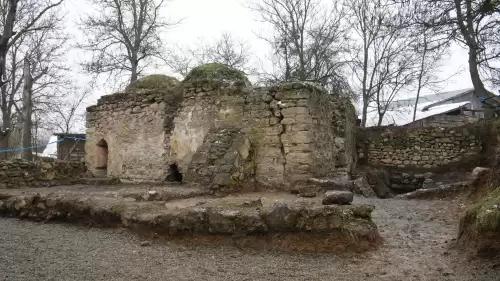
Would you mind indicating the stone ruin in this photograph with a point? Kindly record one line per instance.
(217, 130)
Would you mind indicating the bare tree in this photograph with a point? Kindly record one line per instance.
(66, 112)
(382, 60)
(430, 49)
(27, 17)
(123, 36)
(308, 38)
(474, 24)
(227, 49)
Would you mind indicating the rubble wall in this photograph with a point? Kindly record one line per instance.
(418, 147)
(21, 173)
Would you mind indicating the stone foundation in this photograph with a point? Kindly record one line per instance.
(290, 225)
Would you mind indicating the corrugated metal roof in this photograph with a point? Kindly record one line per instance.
(428, 99)
(404, 115)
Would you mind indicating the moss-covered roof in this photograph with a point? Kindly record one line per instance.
(155, 81)
(216, 71)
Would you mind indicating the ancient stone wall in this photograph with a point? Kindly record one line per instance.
(296, 131)
(417, 148)
(20, 173)
(126, 134)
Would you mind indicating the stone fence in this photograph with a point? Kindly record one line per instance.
(426, 148)
(47, 172)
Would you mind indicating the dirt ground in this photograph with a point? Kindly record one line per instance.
(418, 235)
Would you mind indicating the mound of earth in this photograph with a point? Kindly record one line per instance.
(480, 226)
(152, 82)
(217, 72)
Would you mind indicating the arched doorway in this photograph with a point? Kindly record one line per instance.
(102, 155)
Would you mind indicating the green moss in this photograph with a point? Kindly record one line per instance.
(156, 81)
(485, 214)
(216, 71)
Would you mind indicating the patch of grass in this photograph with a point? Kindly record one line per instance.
(485, 214)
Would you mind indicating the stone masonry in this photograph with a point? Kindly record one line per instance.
(220, 131)
(127, 132)
(20, 173)
(417, 148)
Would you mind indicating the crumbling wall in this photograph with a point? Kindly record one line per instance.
(417, 148)
(206, 104)
(21, 173)
(224, 162)
(135, 126)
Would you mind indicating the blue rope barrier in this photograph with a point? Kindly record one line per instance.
(39, 146)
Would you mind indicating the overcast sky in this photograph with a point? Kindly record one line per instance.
(207, 19)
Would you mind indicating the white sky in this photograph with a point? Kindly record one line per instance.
(207, 19)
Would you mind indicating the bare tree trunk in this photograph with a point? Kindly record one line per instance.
(365, 112)
(133, 76)
(474, 73)
(27, 110)
(420, 77)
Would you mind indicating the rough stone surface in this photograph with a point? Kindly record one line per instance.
(379, 181)
(46, 172)
(338, 198)
(424, 148)
(134, 127)
(364, 187)
(478, 173)
(205, 218)
(224, 162)
(440, 191)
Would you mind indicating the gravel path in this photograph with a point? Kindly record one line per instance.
(417, 233)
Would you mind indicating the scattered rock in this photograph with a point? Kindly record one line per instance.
(379, 180)
(253, 203)
(334, 184)
(428, 183)
(308, 194)
(428, 175)
(478, 173)
(441, 190)
(365, 188)
(146, 243)
(338, 198)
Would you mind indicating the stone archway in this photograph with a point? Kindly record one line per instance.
(102, 155)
